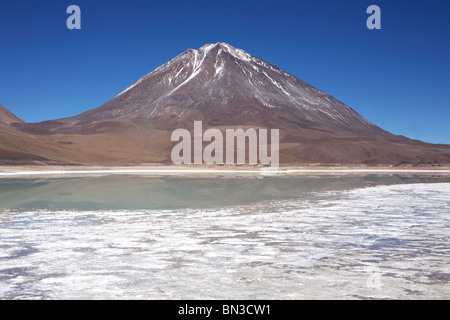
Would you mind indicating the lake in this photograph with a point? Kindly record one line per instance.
(324, 236)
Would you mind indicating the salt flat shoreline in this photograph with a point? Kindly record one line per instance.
(17, 171)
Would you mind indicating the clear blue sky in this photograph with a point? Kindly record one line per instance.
(397, 77)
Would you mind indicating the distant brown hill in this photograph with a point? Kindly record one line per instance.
(8, 117)
(14, 145)
(224, 87)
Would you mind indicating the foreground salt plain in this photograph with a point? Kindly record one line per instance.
(274, 238)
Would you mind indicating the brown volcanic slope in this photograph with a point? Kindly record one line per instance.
(9, 138)
(8, 117)
(226, 87)
(17, 147)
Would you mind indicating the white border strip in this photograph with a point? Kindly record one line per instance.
(190, 171)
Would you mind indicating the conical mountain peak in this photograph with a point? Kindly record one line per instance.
(222, 46)
(226, 87)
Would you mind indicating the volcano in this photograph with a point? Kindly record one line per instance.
(225, 87)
